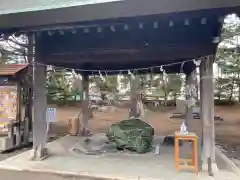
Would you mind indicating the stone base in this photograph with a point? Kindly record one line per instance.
(39, 155)
(215, 169)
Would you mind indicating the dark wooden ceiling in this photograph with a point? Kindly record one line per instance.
(112, 46)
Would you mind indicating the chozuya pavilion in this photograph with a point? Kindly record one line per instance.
(120, 35)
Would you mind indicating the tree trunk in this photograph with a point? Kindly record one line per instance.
(239, 92)
(189, 83)
(85, 107)
(135, 84)
(238, 87)
(219, 96)
(175, 98)
(231, 95)
(165, 98)
(65, 100)
(197, 91)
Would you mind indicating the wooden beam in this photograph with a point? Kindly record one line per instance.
(207, 113)
(97, 55)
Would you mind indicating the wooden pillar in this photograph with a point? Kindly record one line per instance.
(29, 93)
(85, 105)
(39, 107)
(207, 113)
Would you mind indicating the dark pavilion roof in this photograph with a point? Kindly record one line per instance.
(11, 69)
(29, 13)
(195, 25)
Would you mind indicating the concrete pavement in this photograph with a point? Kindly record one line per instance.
(23, 175)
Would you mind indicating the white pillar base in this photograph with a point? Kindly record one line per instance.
(39, 155)
(215, 169)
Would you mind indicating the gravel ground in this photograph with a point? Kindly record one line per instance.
(227, 133)
(233, 154)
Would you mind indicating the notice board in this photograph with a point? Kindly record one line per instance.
(8, 102)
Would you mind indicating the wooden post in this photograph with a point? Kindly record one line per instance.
(39, 108)
(85, 106)
(207, 113)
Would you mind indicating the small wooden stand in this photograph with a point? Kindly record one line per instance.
(194, 160)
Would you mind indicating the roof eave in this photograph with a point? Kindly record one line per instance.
(110, 10)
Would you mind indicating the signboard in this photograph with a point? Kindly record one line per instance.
(51, 114)
(8, 103)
